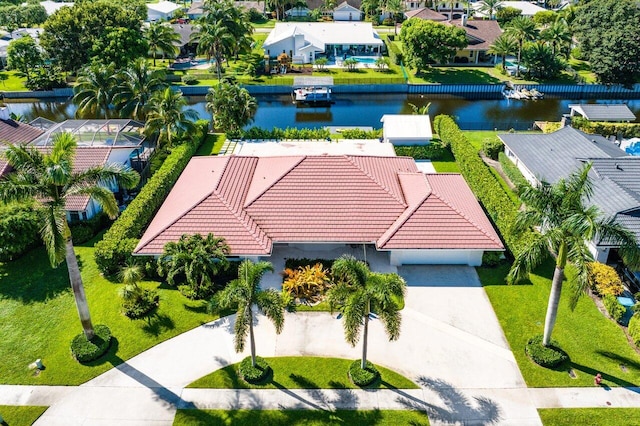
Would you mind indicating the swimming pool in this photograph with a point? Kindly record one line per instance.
(190, 64)
(631, 146)
(364, 59)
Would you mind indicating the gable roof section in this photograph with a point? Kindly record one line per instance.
(321, 33)
(480, 33)
(553, 156)
(345, 7)
(425, 13)
(604, 112)
(164, 6)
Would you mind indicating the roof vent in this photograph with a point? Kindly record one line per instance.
(593, 140)
(619, 167)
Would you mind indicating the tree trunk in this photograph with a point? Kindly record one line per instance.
(365, 337)
(519, 56)
(252, 340)
(554, 296)
(78, 290)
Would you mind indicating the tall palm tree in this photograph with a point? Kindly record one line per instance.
(558, 35)
(215, 41)
(167, 115)
(490, 7)
(359, 293)
(50, 180)
(423, 110)
(521, 28)
(503, 46)
(196, 257)
(137, 83)
(231, 107)
(161, 37)
(93, 92)
(565, 226)
(242, 294)
(395, 8)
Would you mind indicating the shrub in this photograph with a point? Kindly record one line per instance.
(545, 356)
(576, 53)
(482, 182)
(614, 308)
(361, 134)
(253, 374)
(511, 170)
(288, 133)
(361, 377)
(19, 230)
(85, 350)
(604, 280)
(83, 231)
(302, 262)
(189, 79)
(433, 151)
(142, 304)
(491, 258)
(634, 329)
(308, 282)
(119, 241)
(626, 130)
(395, 54)
(492, 147)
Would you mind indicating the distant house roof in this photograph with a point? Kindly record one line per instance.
(344, 6)
(480, 33)
(426, 13)
(554, 155)
(603, 112)
(320, 34)
(53, 6)
(254, 202)
(407, 126)
(164, 6)
(196, 9)
(12, 131)
(527, 8)
(185, 31)
(315, 4)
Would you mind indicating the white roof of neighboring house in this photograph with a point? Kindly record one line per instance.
(528, 9)
(406, 126)
(163, 6)
(344, 6)
(320, 33)
(6, 39)
(51, 6)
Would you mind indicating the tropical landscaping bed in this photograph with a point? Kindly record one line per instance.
(302, 373)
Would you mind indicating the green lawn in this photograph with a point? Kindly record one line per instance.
(302, 373)
(212, 144)
(12, 81)
(478, 137)
(24, 415)
(38, 319)
(300, 417)
(590, 416)
(457, 75)
(583, 69)
(594, 343)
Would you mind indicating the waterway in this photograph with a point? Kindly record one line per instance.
(366, 110)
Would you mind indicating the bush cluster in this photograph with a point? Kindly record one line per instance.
(19, 228)
(395, 54)
(511, 170)
(119, 241)
(634, 329)
(288, 133)
(85, 350)
(361, 377)
(251, 374)
(139, 302)
(492, 147)
(482, 182)
(433, 151)
(189, 79)
(545, 356)
(604, 280)
(291, 263)
(306, 282)
(361, 134)
(627, 130)
(84, 230)
(614, 308)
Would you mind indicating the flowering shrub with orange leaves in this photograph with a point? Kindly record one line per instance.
(604, 280)
(306, 282)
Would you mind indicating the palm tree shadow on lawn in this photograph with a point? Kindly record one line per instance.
(606, 376)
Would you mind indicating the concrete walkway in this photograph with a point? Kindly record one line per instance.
(451, 345)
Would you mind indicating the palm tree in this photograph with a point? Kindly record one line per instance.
(423, 110)
(395, 8)
(359, 293)
(565, 226)
(558, 35)
(138, 83)
(166, 115)
(215, 41)
(521, 28)
(196, 257)
(490, 7)
(242, 294)
(231, 107)
(50, 180)
(503, 46)
(161, 37)
(94, 90)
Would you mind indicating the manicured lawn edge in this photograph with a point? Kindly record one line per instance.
(590, 416)
(21, 415)
(301, 373)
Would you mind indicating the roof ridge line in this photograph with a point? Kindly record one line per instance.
(397, 224)
(350, 158)
(242, 222)
(246, 204)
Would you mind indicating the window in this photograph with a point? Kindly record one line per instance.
(74, 216)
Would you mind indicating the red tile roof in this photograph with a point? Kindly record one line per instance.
(427, 14)
(12, 131)
(256, 201)
(480, 33)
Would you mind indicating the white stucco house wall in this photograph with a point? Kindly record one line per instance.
(346, 12)
(406, 129)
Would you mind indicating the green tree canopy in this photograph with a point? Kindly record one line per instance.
(541, 60)
(168, 116)
(24, 55)
(231, 107)
(161, 37)
(136, 85)
(428, 42)
(93, 91)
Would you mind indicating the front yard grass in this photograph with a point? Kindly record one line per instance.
(594, 343)
(12, 81)
(38, 319)
(212, 144)
(297, 372)
(22, 415)
(300, 417)
(590, 416)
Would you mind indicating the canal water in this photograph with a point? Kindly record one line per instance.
(366, 110)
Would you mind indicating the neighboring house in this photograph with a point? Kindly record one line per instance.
(603, 112)
(186, 46)
(196, 10)
(528, 9)
(425, 13)
(53, 6)
(346, 12)
(9, 37)
(404, 129)
(325, 201)
(304, 41)
(615, 175)
(14, 132)
(163, 10)
(452, 9)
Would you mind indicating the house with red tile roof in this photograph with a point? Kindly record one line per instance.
(260, 203)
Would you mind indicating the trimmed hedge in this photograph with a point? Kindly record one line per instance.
(395, 54)
(432, 151)
(119, 241)
(492, 148)
(627, 130)
(19, 230)
(361, 377)
(84, 350)
(288, 133)
(361, 134)
(511, 170)
(482, 182)
(615, 309)
(545, 356)
(251, 374)
(634, 329)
